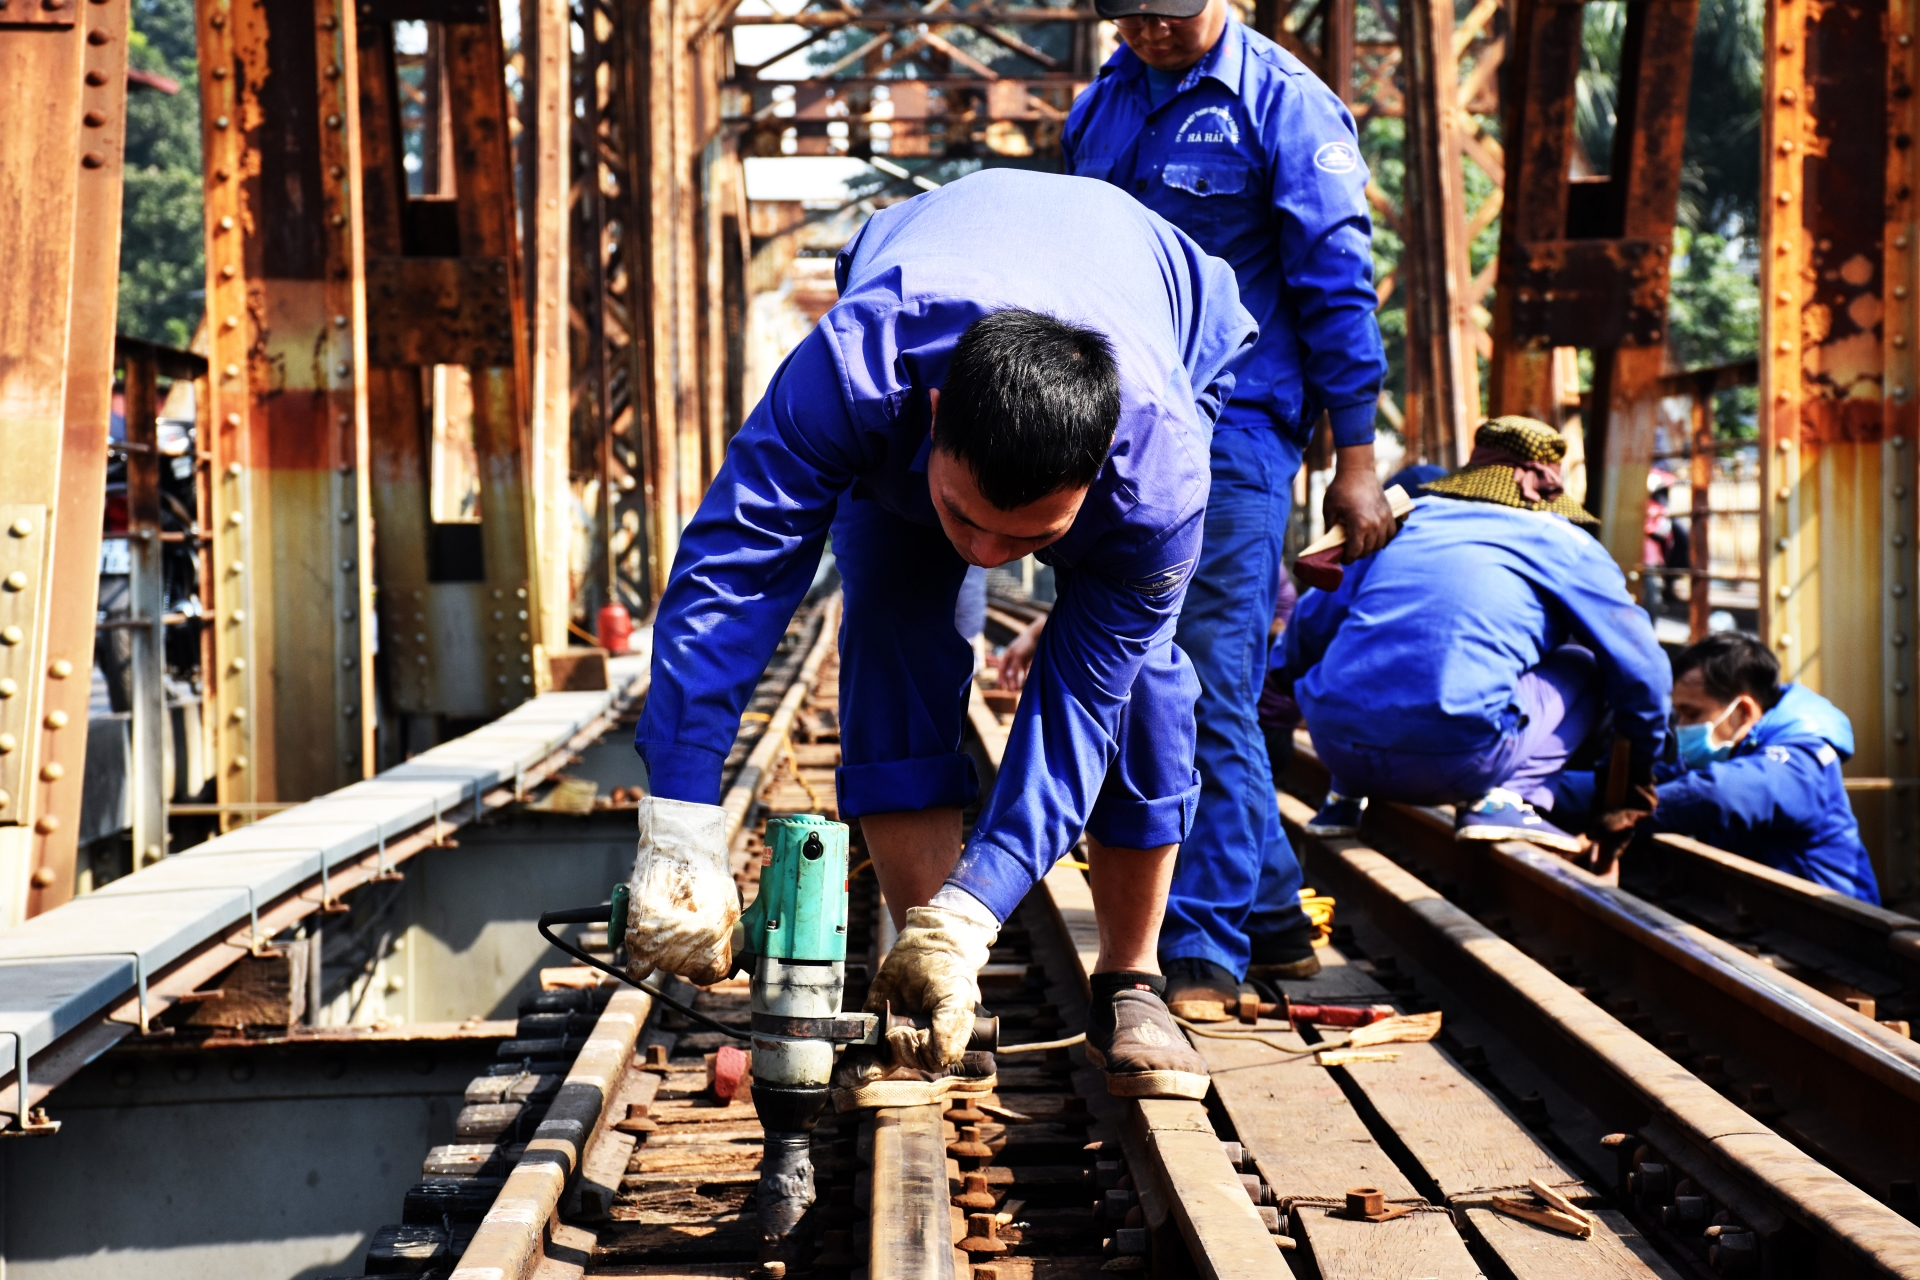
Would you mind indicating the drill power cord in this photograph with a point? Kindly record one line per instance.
(598, 915)
(1041, 1046)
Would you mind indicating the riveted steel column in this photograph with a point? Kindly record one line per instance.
(292, 711)
(63, 100)
(1838, 384)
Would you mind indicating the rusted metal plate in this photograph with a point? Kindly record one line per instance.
(63, 98)
(1838, 380)
(1591, 293)
(439, 311)
(39, 13)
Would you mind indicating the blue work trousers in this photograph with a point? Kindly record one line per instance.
(1236, 877)
(1555, 707)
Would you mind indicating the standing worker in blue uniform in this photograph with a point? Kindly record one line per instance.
(1230, 138)
(1018, 363)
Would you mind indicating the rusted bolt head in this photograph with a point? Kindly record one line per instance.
(1366, 1201)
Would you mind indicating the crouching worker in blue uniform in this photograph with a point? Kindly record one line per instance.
(1755, 768)
(1470, 658)
(1018, 363)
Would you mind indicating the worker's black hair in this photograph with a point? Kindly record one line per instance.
(1731, 664)
(1030, 405)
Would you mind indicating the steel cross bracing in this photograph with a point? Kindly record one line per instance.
(939, 80)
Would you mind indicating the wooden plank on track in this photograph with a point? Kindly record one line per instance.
(1308, 1142)
(1616, 1248)
(1222, 1229)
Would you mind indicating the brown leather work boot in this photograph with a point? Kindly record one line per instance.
(1132, 1037)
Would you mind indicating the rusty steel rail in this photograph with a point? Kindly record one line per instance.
(1799, 1110)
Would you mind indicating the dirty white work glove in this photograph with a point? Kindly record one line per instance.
(682, 902)
(934, 969)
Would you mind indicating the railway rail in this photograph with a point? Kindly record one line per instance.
(615, 1138)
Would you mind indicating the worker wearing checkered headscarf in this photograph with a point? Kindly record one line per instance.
(1516, 463)
(1468, 659)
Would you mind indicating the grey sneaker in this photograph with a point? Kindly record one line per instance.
(1141, 1049)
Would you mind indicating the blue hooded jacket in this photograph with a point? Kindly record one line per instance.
(1778, 798)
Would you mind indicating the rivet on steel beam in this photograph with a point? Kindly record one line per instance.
(56, 719)
(236, 568)
(7, 743)
(337, 172)
(1783, 445)
(233, 371)
(1899, 539)
(52, 771)
(231, 322)
(233, 420)
(1904, 39)
(217, 20)
(226, 224)
(236, 518)
(239, 615)
(8, 688)
(94, 78)
(1786, 641)
(1898, 639)
(1789, 97)
(239, 713)
(346, 517)
(1899, 339)
(333, 71)
(1785, 346)
(47, 825)
(219, 73)
(240, 762)
(237, 665)
(340, 322)
(333, 121)
(11, 636)
(342, 369)
(16, 581)
(20, 528)
(98, 37)
(329, 23)
(60, 669)
(1786, 492)
(227, 272)
(1786, 146)
(1783, 197)
(1786, 592)
(1899, 686)
(92, 160)
(5, 800)
(94, 119)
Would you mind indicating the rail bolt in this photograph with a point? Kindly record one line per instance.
(1648, 1181)
(975, 1193)
(983, 1235)
(1734, 1253)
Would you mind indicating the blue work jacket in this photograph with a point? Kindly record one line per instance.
(1779, 798)
(849, 410)
(1420, 648)
(1257, 160)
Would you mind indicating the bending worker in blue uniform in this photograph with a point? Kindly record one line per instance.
(1018, 363)
(1230, 138)
(1756, 768)
(1469, 659)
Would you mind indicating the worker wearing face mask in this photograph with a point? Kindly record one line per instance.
(1758, 768)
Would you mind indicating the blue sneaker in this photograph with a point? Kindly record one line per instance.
(1339, 817)
(1502, 815)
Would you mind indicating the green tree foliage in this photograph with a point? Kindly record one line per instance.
(162, 262)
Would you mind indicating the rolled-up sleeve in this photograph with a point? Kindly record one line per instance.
(743, 565)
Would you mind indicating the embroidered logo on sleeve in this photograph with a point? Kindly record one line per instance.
(1163, 583)
(1778, 755)
(1336, 157)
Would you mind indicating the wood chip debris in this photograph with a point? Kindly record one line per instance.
(1557, 1212)
(1341, 1057)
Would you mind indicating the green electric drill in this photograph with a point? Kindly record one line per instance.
(793, 941)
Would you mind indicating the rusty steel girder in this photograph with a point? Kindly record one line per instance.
(291, 686)
(1838, 383)
(448, 377)
(63, 97)
(1588, 258)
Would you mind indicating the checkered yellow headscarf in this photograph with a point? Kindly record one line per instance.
(1516, 463)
